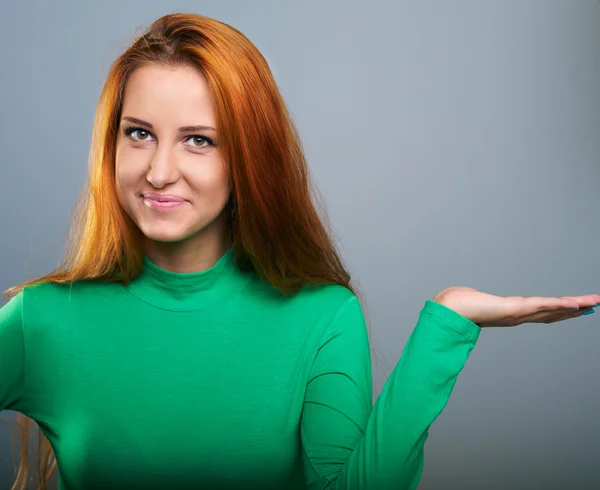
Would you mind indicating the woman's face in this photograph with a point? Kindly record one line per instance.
(170, 175)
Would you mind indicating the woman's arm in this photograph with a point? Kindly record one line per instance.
(12, 354)
(349, 446)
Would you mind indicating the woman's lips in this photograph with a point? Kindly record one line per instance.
(162, 201)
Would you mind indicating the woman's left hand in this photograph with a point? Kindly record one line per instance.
(487, 310)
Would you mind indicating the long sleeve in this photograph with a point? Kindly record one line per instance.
(350, 445)
(12, 354)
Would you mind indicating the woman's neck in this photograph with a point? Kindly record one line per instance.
(195, 254)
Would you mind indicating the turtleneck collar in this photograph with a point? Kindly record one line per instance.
(177, 291)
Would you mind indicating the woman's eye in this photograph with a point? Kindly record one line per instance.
(138, 134)
(199, 141)
(142, 135)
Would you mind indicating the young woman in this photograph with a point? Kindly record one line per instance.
(203, 333)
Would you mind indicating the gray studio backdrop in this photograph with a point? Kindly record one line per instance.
(455, 143)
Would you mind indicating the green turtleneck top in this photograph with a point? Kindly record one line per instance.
(214, 380)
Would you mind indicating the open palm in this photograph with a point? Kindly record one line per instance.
(487, 310)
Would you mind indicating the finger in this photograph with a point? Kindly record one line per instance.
(539, 303)
(536, 304)
(556, 316)
(586, 300)
(574, 314)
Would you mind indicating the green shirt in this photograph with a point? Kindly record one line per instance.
(214, 380)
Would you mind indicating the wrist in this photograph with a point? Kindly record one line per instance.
(441, 298)
(445, 298)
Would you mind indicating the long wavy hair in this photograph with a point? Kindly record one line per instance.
(276, 227)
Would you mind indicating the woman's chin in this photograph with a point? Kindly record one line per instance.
(166, 236)
(172, 232)
(166, 239)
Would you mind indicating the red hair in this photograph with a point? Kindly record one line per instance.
(275, 227)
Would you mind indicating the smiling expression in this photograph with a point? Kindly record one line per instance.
(170, 175)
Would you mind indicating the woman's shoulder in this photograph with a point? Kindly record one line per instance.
(320, 300)
(329, 294)
(57, 294)
(51, 288)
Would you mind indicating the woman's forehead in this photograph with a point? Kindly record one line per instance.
(170, 96)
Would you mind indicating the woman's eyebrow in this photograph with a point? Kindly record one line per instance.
(182, 129)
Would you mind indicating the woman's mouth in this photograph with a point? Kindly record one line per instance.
(162, 201)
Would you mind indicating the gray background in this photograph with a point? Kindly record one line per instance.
(455, 143)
